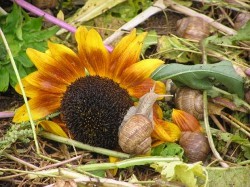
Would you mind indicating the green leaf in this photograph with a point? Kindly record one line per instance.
(201, 76)
(32, 25)
(151, 39)
(168, 149)
(4, 79)
(191, 175)
(232, 176)
(243, 33)
(180, 50)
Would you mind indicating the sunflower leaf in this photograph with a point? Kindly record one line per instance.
(21, 32)
(202, 76)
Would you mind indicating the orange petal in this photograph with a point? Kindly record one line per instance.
(40, 107)
(43, 83)
(53, 127)
(141, 89)
(50, 67)
(67, 58)
(96, 53)
(139, 72)
(126, 53)
(185, 121)
(157, 111)
(165, 131)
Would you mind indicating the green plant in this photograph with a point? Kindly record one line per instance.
(21, 31)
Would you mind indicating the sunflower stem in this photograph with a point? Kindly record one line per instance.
(22, 90)
(126, 163)
(80, 145)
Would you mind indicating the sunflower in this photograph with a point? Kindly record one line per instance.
(92, 88)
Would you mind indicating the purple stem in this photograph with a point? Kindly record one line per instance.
(49, 17)
(7, 114)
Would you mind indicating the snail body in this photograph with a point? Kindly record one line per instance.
(190, 100)
(134, 134)
(195, 145)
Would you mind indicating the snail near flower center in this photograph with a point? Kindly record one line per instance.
(134, 134)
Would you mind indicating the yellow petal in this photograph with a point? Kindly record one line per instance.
(185, 121)
(53, 127)
(139, 72)
(50, 67)
(80, 35)
(143, 88)
(96, 53)
(126, 53)
(113, 160)
(165, 131)
(67, 58)
(40, 107)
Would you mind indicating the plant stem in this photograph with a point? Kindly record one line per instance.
(208, 132)
(22, 90)
(20, 161)
(80, 145)
(126, 163)
(6, 114)
(189, 12)
(155, 8)
(46, 16)
(235, 125)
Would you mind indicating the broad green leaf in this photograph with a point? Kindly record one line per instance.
(191, 175)
(4, 79)
(202, 76)
(232, 176)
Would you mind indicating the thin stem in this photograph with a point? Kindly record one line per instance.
(216, 121)
(20, 161)
(155, 8)
(22, 90)
(235, 125)
(189, 12)
(83, 146)
(208, 131)
(46, 16)
(6, 114)
(237, 121)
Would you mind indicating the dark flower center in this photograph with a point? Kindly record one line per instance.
(93, 109)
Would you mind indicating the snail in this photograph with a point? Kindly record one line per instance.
(189, 100)
(241, 20)
(193, 28)
(195, 145)
(134, 134)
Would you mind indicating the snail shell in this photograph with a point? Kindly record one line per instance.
(189, 100)
(193, 28)
(135, 135)
(241, 20)
(45, 3)
(195, 145)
